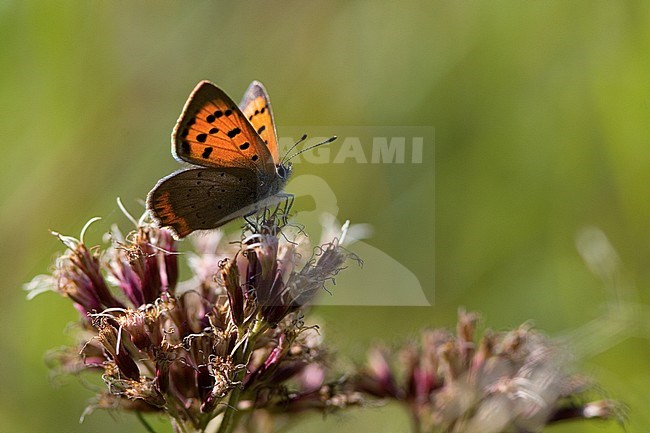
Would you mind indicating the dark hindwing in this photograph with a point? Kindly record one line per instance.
(202, 198)
(213, 132)
(256, 106)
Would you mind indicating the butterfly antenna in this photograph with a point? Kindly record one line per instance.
(329, 140)
(303, 138)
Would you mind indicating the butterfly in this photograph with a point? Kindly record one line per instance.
(236, 167)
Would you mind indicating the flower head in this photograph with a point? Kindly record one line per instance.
(231, 337)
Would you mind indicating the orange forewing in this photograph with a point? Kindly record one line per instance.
(257, 108)
(213, 132)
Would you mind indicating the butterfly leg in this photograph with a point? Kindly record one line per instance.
(284, 207)
(252, 223)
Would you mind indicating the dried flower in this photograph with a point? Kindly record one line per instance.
(512, 381)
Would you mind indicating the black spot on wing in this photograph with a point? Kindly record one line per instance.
(206, 152)
(234, 132)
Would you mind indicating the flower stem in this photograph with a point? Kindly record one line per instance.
(144, 422)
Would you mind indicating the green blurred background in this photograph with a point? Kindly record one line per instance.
(540, 112)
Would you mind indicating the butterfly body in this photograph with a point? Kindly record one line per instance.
(233, 152)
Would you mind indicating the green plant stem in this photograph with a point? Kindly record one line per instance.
(179, 426)
(144, 422)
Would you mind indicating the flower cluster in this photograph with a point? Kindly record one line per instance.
(515, 381)
(227, 343)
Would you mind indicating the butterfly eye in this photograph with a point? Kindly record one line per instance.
(283, 171)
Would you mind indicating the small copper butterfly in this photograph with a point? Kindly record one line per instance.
(236, 168)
